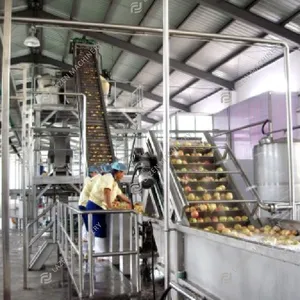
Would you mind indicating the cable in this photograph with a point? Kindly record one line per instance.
(152, 261)
(165, 293)
(263, 127)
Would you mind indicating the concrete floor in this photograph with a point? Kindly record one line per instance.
(110, 284)
(36, 290)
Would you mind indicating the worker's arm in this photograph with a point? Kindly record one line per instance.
(107, 198)
(125, 199)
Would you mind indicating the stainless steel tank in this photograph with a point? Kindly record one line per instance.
(271, 170)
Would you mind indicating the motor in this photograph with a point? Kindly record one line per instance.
(146, 167)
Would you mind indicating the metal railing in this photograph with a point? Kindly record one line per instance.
(69, 247)
(258, 202)
(31, 239)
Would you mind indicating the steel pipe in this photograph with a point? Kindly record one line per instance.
(110, 254)
(241, 128)
(289, 132)
(24, 203)
(89, 26)
(5, 148)
(166, 137)
(182, 291)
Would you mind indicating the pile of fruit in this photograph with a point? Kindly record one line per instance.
(196, 159)
(138, 208)
(120, 205)
(205, 195)
(187, 179)
(269, 235)
(190, 143)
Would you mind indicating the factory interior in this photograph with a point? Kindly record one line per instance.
(196, 103)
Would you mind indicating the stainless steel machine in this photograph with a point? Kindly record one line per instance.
(219, 245)
(271, 169)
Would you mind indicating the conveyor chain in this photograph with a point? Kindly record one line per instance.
(99, 146)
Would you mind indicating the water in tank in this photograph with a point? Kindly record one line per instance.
(271, 170)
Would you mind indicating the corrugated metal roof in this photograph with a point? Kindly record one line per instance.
(128, 66)
(294, 25)
(203, 19)
(127, 11)
(240, 3)
(52, 55)
(148, 104)
(149, 76)
(55, 40)
(223, 75)
(275, 11)
(178, 80)
(91, 10)
(60, 8)
(216, 51)
(109, 54)
(196, 91)
(178, 10)
(251, 59)
(18, 35)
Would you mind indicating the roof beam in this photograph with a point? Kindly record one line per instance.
(193, 81)
(41, 59)
(149, 120)
(156, 57)
(252, 19)
(151, 96)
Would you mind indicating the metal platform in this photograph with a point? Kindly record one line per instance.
(43, 180)
(111, 283)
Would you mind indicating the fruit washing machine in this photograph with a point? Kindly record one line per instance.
(218, 245)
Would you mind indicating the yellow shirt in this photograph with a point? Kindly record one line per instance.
(97, 193)
(85, 193)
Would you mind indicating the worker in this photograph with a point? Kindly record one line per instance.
(84, 197)
(104, 192)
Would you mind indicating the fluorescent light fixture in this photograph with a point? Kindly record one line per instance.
(32, 41)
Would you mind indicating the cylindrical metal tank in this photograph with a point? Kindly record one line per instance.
(271, 170)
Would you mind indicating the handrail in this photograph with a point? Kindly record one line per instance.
(131, 156)
(267, 207)
(178, 207)
(40, 234)
(41, 215)
(242, 127)
(66, 238)
(184, 292)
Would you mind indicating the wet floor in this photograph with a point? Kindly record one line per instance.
(41, 285)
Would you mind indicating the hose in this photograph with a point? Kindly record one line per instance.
(263, 127)
(165, 293)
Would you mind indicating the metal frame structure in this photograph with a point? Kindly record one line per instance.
(122, 28)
